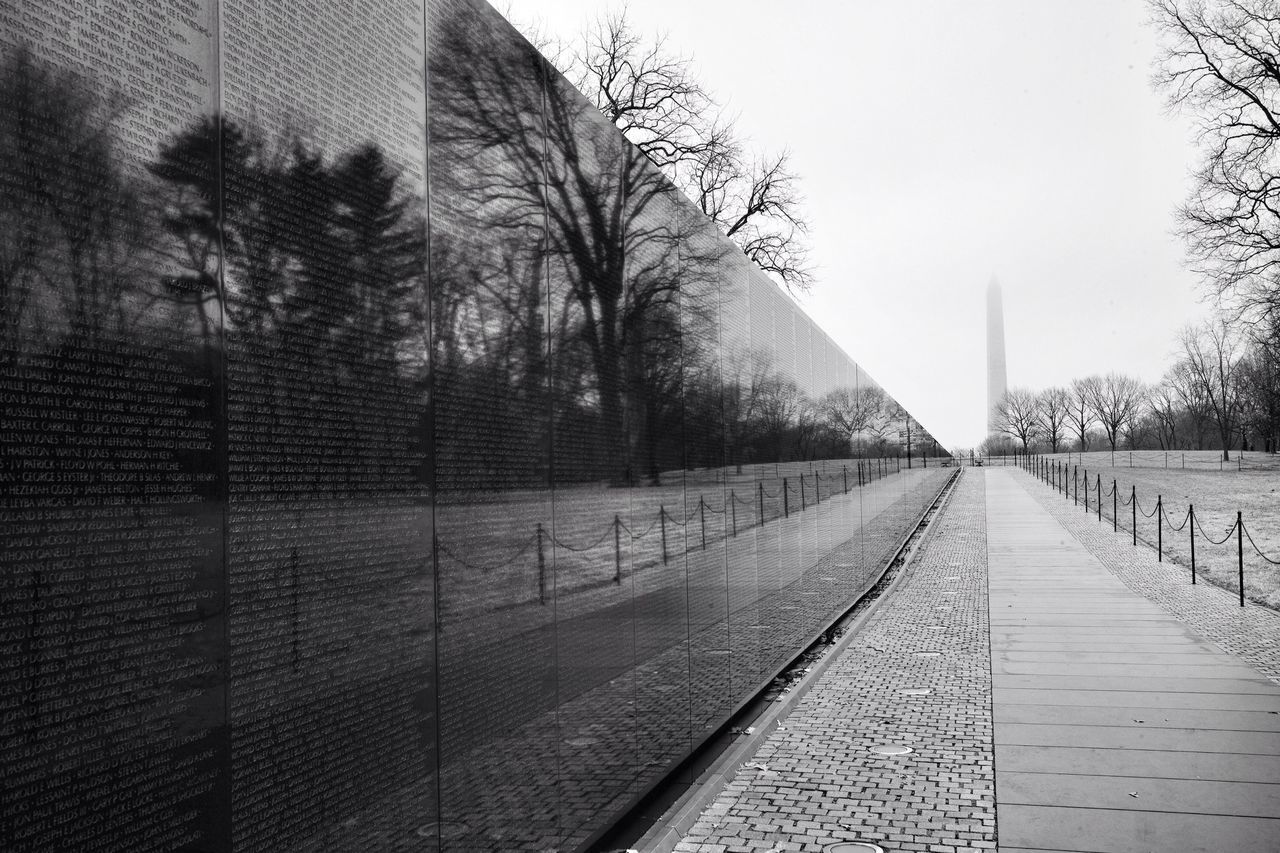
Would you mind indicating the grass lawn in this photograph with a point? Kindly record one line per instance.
(1250, 486)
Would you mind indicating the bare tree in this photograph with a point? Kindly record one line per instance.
(1260, 381)
(1140, 426)
(1195, 405)
(757, 203)
(1212, 355)
(648, 92)
(652, 95)
(1166, 409)
(1053, 410)
(1115, 400)
(1218, 61)
(1018, 415)
(1081, 415)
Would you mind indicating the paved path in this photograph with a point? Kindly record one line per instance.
(1099, 719)
(1116, 726)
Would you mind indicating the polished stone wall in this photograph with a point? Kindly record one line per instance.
(390, 458)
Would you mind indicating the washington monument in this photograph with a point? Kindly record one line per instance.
(997, 380)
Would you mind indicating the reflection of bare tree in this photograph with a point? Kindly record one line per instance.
(853, 410)
(190, 197)
(518, 152)
(779, 405)
(72, 226)
(744, 390)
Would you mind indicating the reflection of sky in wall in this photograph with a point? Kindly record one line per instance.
(161, 65)
(342, 73)
(940, 143)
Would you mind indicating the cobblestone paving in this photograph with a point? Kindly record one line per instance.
(815, 782)
(1253, 631)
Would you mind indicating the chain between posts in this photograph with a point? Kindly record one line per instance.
(1256, 549)
(542, 537)
(1053, 473)
(1185, 518)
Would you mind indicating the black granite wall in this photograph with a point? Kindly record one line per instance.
(390, 458)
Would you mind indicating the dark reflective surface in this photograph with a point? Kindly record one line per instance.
(113, 705)
(392, 459)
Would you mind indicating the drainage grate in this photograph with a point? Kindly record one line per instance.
(853, 847)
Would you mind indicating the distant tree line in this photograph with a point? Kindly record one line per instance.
(1221, 393)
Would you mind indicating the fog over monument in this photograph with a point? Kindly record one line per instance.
(997, 379)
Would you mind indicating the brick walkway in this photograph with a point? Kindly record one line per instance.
(816, 781)
(1127, 713)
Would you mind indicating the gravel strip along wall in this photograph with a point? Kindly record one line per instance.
(816, 782)
(1253, 631)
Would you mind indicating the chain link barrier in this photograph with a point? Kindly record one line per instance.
(1053, 473)
(542, 535)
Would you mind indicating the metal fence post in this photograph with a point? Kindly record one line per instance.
(1133, 504)
(1115, 507)
(1240, 552)
(662, 521)
(702, 513)
(786, 503)
(617, 550)
(733, 511)
(1159, 528)
(1099, 497)
(761, 491)
(1191, 523)
(542, 567)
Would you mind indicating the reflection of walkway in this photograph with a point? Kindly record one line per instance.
(1105, 722)
(548, 727)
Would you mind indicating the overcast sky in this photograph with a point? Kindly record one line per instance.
(943, 143)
